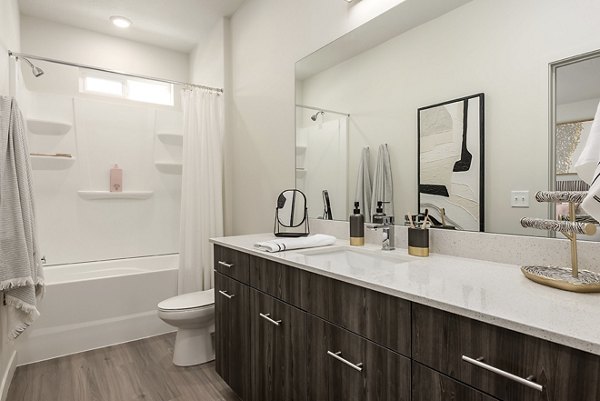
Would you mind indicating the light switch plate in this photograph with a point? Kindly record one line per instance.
(519, 199)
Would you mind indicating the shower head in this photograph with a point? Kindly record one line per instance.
(314, 116)
(37, 71)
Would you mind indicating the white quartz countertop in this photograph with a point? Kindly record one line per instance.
(494, 293)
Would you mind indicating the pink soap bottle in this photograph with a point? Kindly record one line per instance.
(116, 179)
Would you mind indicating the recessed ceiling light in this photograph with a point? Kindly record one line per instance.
(120, 22)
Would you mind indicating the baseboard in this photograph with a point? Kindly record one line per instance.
(8, 376)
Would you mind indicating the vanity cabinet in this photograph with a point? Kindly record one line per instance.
(496, 360)
(278, 349)
(286, 334)
(381, 318)
(232, 263)
(345, 366)
(232, 339)
(429, 385)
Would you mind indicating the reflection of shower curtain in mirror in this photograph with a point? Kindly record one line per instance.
(325, 167)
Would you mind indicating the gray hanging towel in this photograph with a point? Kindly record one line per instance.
(21, 276)
(382, 183)
(363, 192)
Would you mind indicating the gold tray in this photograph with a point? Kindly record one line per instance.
(561, 277)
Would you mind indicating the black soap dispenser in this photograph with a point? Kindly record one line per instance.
(379, 215)
(357, 227)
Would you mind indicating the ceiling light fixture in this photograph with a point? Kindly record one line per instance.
(120, 22)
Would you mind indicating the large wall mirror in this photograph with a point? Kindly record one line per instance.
(363, 91)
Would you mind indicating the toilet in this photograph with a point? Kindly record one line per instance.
(194, 316)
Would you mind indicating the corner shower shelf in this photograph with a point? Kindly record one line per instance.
(170, 138)
(51, 162)
(169, 167)
(47, 127)
(102, 195)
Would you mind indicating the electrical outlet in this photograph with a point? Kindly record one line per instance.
(519, 199)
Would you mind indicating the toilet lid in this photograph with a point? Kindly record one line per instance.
(190, 300)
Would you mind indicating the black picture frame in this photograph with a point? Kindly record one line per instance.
(481, 110)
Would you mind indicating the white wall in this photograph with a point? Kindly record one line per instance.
(73, 229)
(267, 38)
(466, 51)
(210, 66)
(517, 36)
(49, 39)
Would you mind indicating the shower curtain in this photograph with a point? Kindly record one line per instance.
(202, 187)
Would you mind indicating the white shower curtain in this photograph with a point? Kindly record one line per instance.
(202, 187)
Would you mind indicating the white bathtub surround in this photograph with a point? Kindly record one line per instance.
(97, 304)
(21, 276)
(501, 248)
(202, 187)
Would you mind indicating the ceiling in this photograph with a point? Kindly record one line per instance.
(173, 24)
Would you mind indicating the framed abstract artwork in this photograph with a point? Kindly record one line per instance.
(451, 162)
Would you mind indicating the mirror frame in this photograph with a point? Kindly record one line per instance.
(552, 84)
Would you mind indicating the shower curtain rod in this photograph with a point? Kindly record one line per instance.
(90, 67)
(325, 110)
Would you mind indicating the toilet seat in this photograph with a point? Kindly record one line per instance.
(192, 300)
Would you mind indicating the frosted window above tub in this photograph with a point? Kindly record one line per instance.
(136, 89)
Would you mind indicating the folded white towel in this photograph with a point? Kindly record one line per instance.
(285, 244)
(588, 168)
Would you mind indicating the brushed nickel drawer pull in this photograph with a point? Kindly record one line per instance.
(225, 264)
(527, 382)
(337, 355)
(267, 317)
(225, 294)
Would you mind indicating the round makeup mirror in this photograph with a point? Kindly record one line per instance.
(290, 213)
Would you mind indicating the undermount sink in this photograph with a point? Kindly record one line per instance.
(346, 257)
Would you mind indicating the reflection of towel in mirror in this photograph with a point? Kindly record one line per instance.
(286, 244)
(363, 192)
(21, 277)
(588, 168)
(383, 189)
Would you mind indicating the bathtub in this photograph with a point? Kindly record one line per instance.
(96, 304)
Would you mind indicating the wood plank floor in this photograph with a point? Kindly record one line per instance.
(139, 370)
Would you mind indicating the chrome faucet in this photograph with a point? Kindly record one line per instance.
(386, 223)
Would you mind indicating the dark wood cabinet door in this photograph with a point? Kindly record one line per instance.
(344, 366)
(278, 349)
(276, 279)
(232, 263)
(441, 340)
(232, 334)
(382, 318)
(429, 385)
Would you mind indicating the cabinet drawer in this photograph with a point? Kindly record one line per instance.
(344, 366)
(232, 263)
(278, 349)
(280, 281)
(232, 334)
(376, 316)
(441, 340)
(429, 385)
